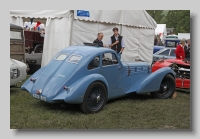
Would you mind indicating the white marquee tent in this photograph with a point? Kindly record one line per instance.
(184, 36)
(161, 30)
(73, 27)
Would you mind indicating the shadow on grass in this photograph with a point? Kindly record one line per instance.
(69, 108)
(185, 91)
(131, 96)
(14, 90)
(74, 108)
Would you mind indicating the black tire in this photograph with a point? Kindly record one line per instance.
(95, 98)
(167, 88)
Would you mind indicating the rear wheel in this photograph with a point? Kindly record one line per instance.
(167, 88)
(95, 98)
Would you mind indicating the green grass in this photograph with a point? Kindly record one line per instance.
(130, 112)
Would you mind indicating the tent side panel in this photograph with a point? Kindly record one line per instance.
(83, 31)
(17, 21)
(57, 37)
(139, 44)
(86, 31)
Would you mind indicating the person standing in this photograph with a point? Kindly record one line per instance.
(117, 42)
(187, 50)
(99, 39)
(180, 53)
(159, 43)
(155, 41)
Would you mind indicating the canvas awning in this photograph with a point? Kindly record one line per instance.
(123, 17)
(40, 13)
(128, 18)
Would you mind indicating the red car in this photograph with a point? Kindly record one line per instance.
(180, 67)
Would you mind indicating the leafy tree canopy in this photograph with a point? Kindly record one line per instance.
(177, 19)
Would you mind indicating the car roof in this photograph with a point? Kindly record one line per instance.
(169, 48)
(172, 39)
(157, 46)
(13, 26)
(161, 50)
(85, 50)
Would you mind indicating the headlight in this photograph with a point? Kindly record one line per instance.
(14, 73)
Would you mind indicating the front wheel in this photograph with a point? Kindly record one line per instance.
(167, 88)
(94, 99)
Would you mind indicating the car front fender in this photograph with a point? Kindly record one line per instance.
(153, 81)
(76, 92)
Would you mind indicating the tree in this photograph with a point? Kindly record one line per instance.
(183, 25)
(157, 15)
(177, 19)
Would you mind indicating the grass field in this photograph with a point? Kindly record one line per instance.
(130, 112)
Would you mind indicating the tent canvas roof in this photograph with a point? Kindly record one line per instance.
(127, 17)
(40, 13)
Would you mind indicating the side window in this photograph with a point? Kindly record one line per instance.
(109, 59)
(94, 63)
(165, 52)
(172, 52)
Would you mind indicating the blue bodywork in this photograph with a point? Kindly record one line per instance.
(169, 42)
(156, 48)
(119, 79)
(159, 55)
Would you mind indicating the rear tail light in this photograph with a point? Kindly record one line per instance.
(33, 79)
(39, 91)
(66, 88)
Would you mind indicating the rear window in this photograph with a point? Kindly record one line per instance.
(61, 56)
(74, 59)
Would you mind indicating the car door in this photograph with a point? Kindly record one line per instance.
(164, 54)
(172, 53)
(111, 69)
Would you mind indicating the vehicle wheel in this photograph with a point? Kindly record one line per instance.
(167, 88)
(94, 99)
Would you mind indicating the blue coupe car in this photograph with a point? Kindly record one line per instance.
(166, 53)
(91, 75)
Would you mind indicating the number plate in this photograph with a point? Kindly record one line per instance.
(39, 97)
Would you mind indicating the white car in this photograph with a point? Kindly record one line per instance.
(18, 71)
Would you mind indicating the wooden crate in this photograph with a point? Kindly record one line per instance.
(17, 50)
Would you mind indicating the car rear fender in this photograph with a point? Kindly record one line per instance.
(153, 81)
(77, 90)
(27, 85)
